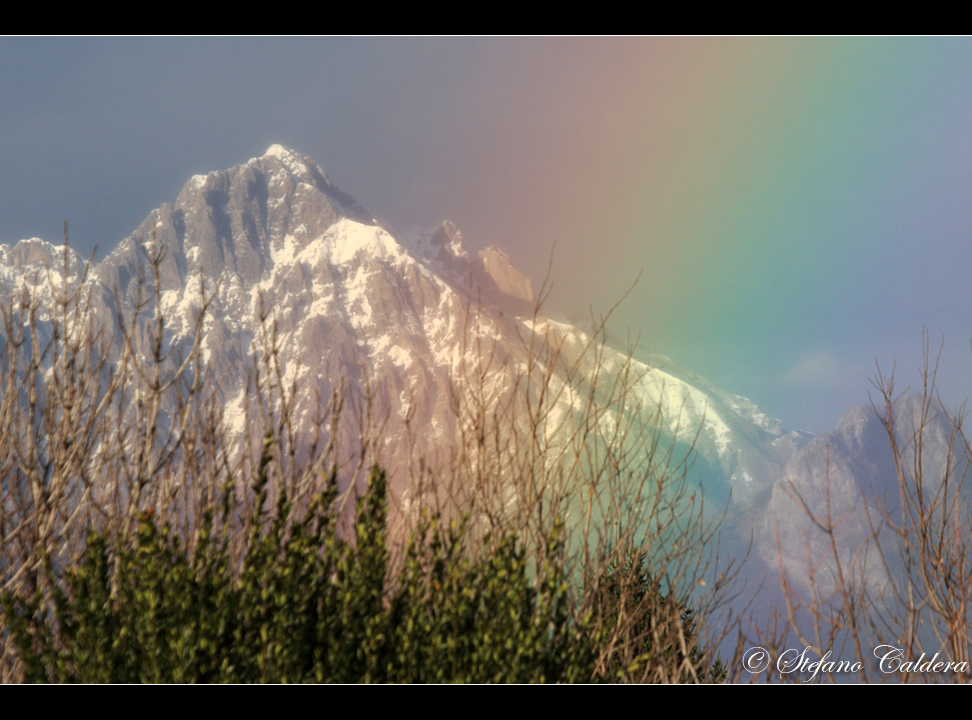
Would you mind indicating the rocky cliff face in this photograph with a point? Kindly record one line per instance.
(848, 479)
(507, 278)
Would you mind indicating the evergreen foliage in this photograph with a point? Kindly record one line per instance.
(305, 605)
(648, 633)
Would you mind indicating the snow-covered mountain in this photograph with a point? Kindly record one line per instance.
(273, 238)
(405, 316)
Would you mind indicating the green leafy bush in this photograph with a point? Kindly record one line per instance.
(305, 605)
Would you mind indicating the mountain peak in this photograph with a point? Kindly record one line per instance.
(279, 151)
(295, 163)
(290, 159)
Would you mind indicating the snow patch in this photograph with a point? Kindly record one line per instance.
(400, 356)
(277, 151)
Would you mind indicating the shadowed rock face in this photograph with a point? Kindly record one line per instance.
(508, 279)
(847, 478)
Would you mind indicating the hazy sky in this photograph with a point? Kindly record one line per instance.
(797, 207)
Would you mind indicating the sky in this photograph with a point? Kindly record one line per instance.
(787, 212)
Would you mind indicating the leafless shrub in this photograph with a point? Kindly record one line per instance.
(559, 427)
(556, 429)
(897, 605)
